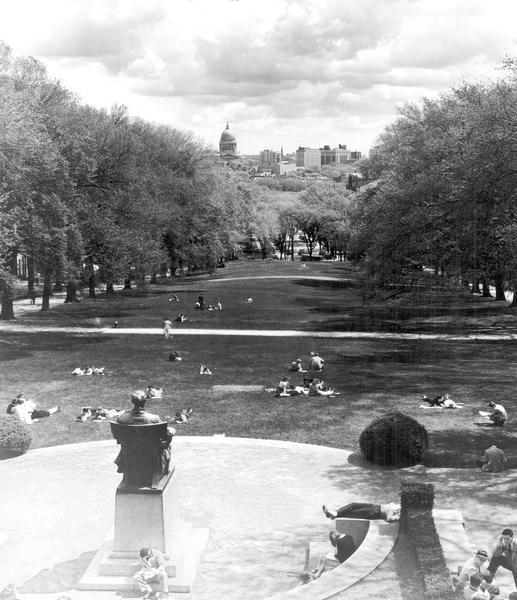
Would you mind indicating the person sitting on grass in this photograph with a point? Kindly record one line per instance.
(343, 547)
(318, 388)
(475, 565)
(181, 318)
(86, 413)
(281, 389)
(218, 305)
(204, 370)
(174, 298)
(316, 362)
(493, 460)
(153, 392)
(473, 589)
(175, 356)
(363, 510)
(296, 366)
(498, 414)
(25, 410)
(98, 370)
(182, 416)
(249, 300)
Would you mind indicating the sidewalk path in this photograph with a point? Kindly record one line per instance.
(24, 328)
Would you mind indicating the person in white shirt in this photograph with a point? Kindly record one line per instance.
(476, 566)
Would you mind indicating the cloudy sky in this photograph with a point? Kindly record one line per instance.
(283, 72)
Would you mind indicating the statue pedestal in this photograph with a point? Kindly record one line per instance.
(147, 517)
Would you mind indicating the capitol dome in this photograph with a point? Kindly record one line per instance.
(227, 135)
(228, 145)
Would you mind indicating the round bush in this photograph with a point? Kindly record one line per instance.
(394, 439)
(15, 436)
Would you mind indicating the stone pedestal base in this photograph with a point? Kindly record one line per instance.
(146, 518)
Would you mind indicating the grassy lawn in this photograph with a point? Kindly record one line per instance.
(372, 375)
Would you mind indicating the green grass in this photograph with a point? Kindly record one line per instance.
(372, 375)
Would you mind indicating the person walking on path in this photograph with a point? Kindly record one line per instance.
(504, 554)
(152, 570)
(167, 326)
(493, 460)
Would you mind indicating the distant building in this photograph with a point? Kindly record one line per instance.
(228, 146)
(270, 161)
(308, 158)
(356, 155)
(335, 156)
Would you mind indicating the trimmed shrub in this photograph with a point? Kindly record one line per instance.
(395, 440)
(15, 436)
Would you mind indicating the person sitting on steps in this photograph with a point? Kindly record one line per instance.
(343, 547)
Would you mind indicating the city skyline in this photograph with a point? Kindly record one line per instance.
(284, 73)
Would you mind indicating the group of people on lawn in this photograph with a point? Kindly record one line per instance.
(310, 386)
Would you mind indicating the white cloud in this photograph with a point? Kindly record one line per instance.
(306, 71)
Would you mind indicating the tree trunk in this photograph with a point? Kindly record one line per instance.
(499, 288)
(91, 285)
(58, 286)
(71, 292)
(154, 277)
(127, 282)
(7, 311)
(31, 270)
(47, 291)
(109, 288)
(514, 300)
(486, 288)
(475, 286)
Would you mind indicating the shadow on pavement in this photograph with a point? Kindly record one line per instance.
(63, 576)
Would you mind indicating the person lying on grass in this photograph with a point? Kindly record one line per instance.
(443, 401)
(25, 410)
(153, 392)
(88, 371)
(175, 356)
(181, 416)
(97, 414)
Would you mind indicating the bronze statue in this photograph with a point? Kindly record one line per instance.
(145, 446)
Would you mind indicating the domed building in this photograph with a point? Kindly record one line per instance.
(228, 146)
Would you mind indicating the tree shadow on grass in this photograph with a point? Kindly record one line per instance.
(63, 576)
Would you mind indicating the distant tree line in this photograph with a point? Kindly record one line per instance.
(440, 193)
(91, 196)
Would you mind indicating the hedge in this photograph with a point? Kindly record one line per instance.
(416, 518)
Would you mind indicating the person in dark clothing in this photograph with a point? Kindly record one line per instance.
(344, 547)
(363, 510)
